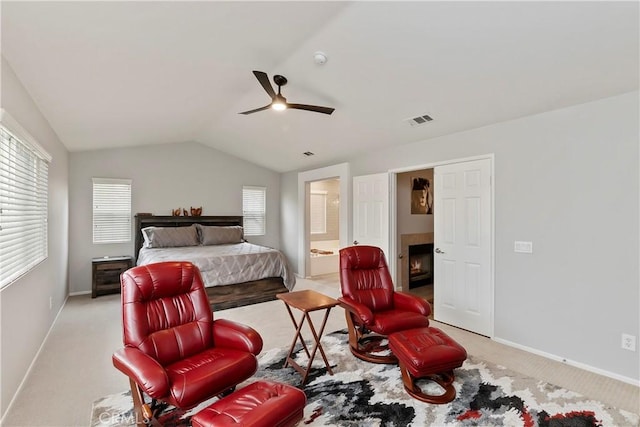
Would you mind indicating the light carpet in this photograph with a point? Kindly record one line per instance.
(366, 394)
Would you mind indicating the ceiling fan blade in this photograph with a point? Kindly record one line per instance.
(266, 107)
(314, 108)
(264, 81)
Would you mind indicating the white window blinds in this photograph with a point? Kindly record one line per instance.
(318, 212)
(24, 173)
(111, 210)
(253, 210)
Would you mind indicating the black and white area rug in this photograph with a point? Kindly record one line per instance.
(366, 394)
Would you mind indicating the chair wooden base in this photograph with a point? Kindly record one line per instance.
(427, 354)
(364, 345)
(147, 414)
(142, 410)
(444, 380)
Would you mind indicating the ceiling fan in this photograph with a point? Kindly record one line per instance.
(279, 102)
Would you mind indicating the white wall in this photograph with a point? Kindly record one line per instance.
(567, 180)
(165, 177)
(289, 219)
(26, 316)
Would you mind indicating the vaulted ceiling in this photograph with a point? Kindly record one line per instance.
(115, 74)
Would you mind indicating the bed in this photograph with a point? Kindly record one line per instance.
(235, 273)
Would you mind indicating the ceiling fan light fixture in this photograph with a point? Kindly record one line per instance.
(279, 106)
(279, 102)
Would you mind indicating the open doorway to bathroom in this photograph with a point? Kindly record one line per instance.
(324, 227)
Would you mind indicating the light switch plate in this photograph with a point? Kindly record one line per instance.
(523, 247)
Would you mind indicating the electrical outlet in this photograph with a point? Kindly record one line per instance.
(523, 247)
(629, 342)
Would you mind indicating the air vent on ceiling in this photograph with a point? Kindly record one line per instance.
(420, 120)
(308, 153)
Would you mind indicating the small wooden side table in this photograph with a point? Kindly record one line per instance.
(307, 301)
(106, 273)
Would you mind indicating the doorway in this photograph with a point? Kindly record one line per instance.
(305, 179)
(415, 232)
(463, 212)
(324, 227)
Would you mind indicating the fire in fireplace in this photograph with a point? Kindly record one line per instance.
(420, 265)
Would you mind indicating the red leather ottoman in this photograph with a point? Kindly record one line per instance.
(427, 353)
(260, 404)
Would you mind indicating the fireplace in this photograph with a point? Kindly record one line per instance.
(420, 265)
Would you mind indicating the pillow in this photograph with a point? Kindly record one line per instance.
(215, 235)
(170, 237)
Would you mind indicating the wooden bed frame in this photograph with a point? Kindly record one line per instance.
(220, 297)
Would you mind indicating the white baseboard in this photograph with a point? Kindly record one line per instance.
(75, 294)
(26, 375)
(573, 363)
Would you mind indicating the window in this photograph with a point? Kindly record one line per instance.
(253, 209)
(111, 210)
(318, 212)
(24, 175)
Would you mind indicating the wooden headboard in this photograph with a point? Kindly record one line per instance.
(143, 221)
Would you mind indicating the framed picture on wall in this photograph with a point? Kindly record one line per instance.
(421, 196)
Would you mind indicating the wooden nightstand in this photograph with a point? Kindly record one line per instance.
(106, 274)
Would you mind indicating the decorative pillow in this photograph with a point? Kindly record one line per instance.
(170, 237)
(215, 235)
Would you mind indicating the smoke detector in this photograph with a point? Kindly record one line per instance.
(320, 58)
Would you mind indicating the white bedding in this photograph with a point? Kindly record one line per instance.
(226, 264)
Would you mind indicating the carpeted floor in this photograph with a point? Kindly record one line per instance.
(365, 394)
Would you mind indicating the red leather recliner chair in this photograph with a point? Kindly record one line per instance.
(174, 351)
(372, 307)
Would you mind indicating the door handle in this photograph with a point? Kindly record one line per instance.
(355, 242)
(438, 251)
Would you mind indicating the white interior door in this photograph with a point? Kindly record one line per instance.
(371, 211)
(463, 287)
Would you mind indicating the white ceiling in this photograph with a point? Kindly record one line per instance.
(114, 74)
